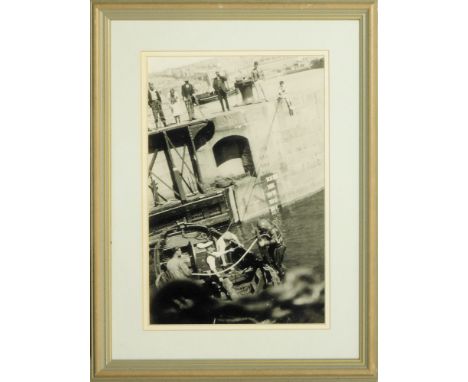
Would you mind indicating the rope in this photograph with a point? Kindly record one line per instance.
(232, 266)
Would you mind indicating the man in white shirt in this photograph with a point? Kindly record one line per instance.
(257, 77)
(283, 97)
(177, 268)
(212, 254)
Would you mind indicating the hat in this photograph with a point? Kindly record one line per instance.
(205, 245)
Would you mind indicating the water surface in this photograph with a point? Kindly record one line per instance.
(303, 227)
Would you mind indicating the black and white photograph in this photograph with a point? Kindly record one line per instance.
(236, 188)
(234, 191)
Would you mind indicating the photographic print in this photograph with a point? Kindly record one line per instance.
(236, 173)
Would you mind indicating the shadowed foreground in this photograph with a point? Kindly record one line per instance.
(300, 299)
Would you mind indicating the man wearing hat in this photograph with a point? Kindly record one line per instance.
(155, 103)
(257, 77)
(227, 240)
(222, 280)
(220, 88)
(212, 254)
(188, 94)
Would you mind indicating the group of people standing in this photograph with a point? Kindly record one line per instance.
(155, 103)
(220, 88)
(187, 92)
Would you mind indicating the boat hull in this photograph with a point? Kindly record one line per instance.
(240, 272)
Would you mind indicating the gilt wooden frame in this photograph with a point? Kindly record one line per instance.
(103, 367)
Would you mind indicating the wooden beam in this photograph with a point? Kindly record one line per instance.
(175, 174)
(195, 165)
(153, 159)
(163, 182)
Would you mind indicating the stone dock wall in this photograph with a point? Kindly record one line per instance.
(292, 148)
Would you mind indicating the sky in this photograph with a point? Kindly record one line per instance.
(156, 64)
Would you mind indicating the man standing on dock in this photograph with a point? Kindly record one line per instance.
(155, 103)
(188, 94)
(220, 88)
(257, 77)
(283, 97)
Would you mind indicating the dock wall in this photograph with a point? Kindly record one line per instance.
(291, 147)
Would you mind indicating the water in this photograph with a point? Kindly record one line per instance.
(302, 225)
(303, 228)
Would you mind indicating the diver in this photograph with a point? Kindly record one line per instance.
(270, 242)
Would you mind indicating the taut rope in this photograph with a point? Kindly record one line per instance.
(230, 267)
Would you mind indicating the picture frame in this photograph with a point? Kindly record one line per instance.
(103, 365)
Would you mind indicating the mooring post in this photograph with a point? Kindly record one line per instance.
(246, 89)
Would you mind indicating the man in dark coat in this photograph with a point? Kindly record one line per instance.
(188, 94)
(155, 103)
(220, 88)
